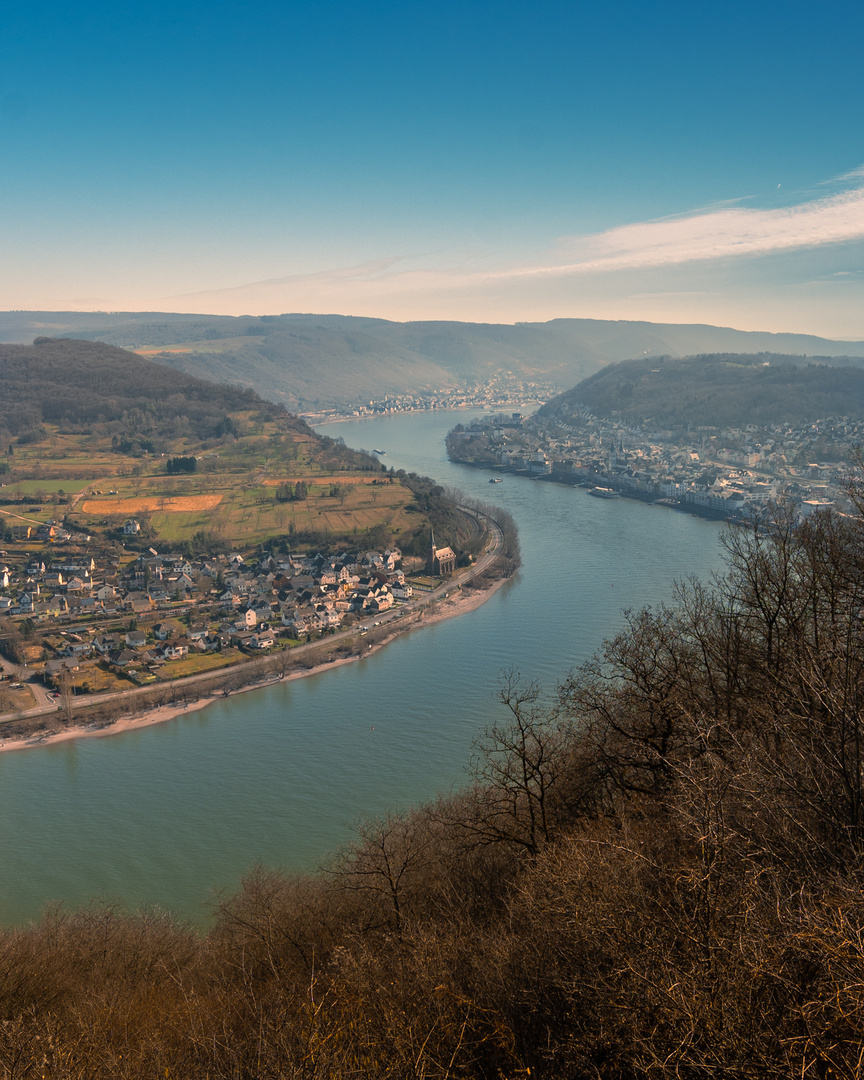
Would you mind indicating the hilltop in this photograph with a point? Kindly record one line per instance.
(78, 383)
(719, 390)
(310, 362)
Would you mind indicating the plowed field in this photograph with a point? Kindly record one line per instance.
(168, 504)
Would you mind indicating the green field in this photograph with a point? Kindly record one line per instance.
(64, 486)
(236, 497)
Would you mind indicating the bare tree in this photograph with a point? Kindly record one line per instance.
(386, 862)
(520, 794)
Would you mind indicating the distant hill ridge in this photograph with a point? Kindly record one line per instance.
(720, 390)
(78, 383)
(309, 361)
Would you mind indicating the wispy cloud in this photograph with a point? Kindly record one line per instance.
(415, 285)
(714, 234)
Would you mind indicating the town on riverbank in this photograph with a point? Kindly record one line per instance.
(723, 434)
(500, 391)
(732, 472)
(88, 645)
(158, 531)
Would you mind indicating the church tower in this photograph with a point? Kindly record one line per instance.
(430, 554)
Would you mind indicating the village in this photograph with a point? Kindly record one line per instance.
(89, 623)
(502, 390)
(734, 473)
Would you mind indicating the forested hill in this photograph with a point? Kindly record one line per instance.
(79, 383)
(309, 361)
(719, 390)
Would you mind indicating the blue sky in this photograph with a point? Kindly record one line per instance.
(478, 161)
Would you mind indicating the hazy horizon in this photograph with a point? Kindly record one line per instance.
(664, 164)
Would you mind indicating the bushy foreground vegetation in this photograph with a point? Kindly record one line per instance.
(657, 874)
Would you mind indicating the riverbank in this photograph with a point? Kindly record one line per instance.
(460, 602)
(612, 483)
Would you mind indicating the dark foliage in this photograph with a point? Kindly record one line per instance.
(292, 492)
(719, 390)
(176, 465)
(76, 384)
(441, 509)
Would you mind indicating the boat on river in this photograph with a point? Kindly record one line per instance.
(604, 493)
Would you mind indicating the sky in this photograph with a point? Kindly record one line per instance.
(494, 162)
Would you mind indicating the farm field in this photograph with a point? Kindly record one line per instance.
(238, 508)
(69, 485)
(217, 345)
(243, 492)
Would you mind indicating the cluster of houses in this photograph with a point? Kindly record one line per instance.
(497, 392)
(733, 473)
(49, 532)
(160, 608)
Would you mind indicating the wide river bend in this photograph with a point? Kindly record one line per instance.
(173, 814)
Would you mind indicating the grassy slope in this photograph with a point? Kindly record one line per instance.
(66, 404)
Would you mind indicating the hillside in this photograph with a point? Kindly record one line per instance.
(78, 383)
(719, 390)
(96, 435)
(309, 361)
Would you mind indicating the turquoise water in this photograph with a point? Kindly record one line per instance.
(174, 814)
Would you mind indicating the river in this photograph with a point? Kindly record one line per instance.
(172, 815)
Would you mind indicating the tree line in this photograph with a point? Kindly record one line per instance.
(719, 389)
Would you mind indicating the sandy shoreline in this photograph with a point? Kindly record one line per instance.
(448, 608)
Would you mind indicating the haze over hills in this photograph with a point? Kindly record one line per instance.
(720, 389)
(310, 362)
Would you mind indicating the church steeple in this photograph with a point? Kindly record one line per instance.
(430, 557)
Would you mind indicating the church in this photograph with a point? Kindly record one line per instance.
(440, 561)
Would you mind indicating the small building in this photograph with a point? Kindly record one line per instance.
(814, 506)
(106, 643)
